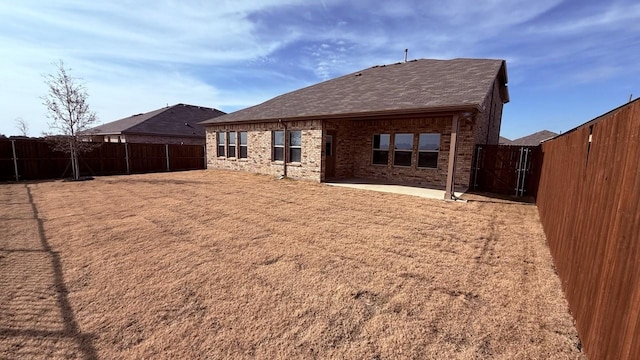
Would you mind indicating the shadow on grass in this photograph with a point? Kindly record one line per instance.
(70, 331)
(480, 196)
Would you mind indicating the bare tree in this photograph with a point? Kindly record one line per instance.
(70, 116)
(22, 126)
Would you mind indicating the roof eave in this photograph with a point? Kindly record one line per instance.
(433, 111)
(158, 134)
(504, 89)
(103, 133)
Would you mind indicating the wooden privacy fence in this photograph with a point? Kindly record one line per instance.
(507, 169)
(33, 159)
(588, 200)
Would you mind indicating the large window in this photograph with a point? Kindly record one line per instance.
(243, 145)
(221, 143)
(232, 145)
(428, 149)
(403, 149)
(278, 145)
(295, 146)
(381, 149)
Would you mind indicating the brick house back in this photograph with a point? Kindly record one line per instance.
(390, 123)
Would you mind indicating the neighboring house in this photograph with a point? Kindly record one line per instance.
(504, 141)
(534, 139)
(177, 124)
(390, 123)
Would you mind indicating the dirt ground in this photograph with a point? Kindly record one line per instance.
(212, 264)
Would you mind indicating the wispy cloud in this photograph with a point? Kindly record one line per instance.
(617, 17)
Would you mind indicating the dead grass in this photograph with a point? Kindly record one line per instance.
(212, 264)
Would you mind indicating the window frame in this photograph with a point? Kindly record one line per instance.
(437, 152)
(275, 146)
(230, 145)
(380, 149)
(241, 145)
(294, 147)
(410, 151)
(223, 146)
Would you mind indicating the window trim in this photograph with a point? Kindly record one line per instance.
(274, 146)
(395, 150)
(234, 145)
(221, 135)
(291, 147)
(240, 145)
(374, 149)
(428, 151)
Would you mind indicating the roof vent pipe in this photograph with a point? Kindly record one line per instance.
(406, 54)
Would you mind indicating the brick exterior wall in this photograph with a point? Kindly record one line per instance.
(488, 122)
(259, 151)
(354, 147)
(354, 150)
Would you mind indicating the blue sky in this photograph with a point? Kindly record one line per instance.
(567, 61)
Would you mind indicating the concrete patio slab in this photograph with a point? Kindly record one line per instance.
(372, 185)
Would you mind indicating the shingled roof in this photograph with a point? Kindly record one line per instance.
(414, 86)
(177, 120)
(504, 141)
(534, 139)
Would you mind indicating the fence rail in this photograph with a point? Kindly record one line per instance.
(33, 159)
(588, 200)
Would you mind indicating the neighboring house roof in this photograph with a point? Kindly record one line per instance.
(504, 141)
(414, 86)
(177, 120)
(534, 139)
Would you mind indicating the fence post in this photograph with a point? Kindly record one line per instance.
(518, 167)
(475, 174)
(524, 170)
(166, 151)
(15, 159)
(126, 157)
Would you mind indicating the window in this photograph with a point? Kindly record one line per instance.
(278, 145)
(295, 146)
(243, 144)
(428, 149)
(221, 143)
(403, 149)
(232, 145)
(381, 149)
(328, 145)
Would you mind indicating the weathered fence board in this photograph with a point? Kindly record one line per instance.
(36, 160)
(588, 200)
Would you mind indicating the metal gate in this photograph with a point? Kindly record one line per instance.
(507, 169)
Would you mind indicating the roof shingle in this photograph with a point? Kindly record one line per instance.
(534, 139)
(176, 120)
(416, 85)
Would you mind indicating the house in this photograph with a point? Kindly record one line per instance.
(504, 141)
(177, 124)
(534, 139)
(396, 123)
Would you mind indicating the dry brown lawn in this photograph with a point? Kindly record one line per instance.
(211, 264)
